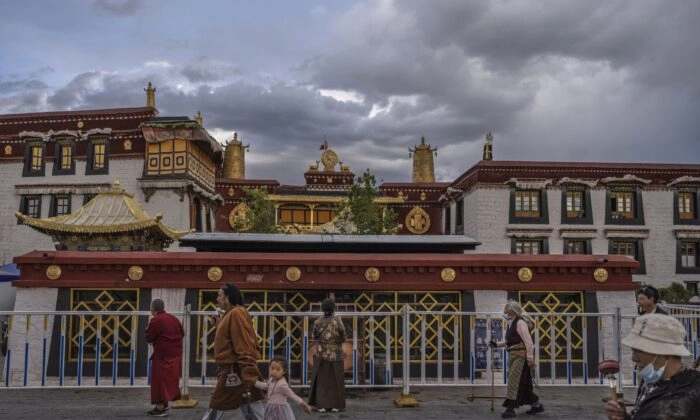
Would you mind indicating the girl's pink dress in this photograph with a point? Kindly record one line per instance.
(277, 407)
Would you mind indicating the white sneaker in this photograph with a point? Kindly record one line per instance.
(335, 410)
(321, 410)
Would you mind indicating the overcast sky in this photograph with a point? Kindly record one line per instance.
(576, 80)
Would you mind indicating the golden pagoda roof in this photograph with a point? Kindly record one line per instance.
(111, 211)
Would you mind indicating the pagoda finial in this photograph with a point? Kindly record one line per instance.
(488, 147)
(423, 165)
(150, 95)
(198, 118)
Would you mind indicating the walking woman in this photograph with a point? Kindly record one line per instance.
(236, 354)
(328, 380)
(521, 359)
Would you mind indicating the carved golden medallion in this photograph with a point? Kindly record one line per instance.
(293, 273)
(80, 124)
(423, 196)
(524, 274)
(600, 275)
(417, 221)
(8, 150)
(127, 144)
(231, 192)
(448, 275)
(135, 273)
(372, 274)
(237, 218)
(329, 180)
(215, 273)
(53, 272)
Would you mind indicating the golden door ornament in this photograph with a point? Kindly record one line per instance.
(53, 272)
(293, 274)
(372, 274)
(524, 274)
(215, 273)
(135, 273)
(448, 274)
(600, 275)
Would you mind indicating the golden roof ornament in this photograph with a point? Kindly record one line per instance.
(198, 118)
(488, 147)
(150, 95)
(234, 158)
(423, 165)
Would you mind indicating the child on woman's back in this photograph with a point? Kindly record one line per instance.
(278, 390)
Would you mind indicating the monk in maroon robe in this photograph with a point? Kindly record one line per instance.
(165, 333)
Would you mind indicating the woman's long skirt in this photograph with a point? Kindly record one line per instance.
(519, 390)
(327, 384)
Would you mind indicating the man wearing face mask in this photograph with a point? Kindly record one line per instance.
(668, 390)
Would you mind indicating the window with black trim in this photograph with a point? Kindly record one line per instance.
(577, 246)
(64, 157)
(692, 287)
(576, 206)
(529, 246)
(633, 248)
(448, 220)
(34, 159)
(459, 215)
(97, 157)
(88, 197)
(60, 205)
(685, 208)
(30, 205)
(624, 207)
(528, 206)
(688, 260)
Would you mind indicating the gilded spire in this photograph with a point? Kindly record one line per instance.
(150, 95)
(198, 118)
(423, 166)
(488, 147)
(234, 158)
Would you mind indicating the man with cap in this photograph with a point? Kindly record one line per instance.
(668, 390)
(648, 301)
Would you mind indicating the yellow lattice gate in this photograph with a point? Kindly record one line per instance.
(561, 339)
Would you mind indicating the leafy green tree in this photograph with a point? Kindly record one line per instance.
(675, 293)
(361, 215)
(259, 216)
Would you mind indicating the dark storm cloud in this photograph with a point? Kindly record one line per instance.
(119, 7)
(209, 72)
(572, 80)
(13, 86)
(72, 95)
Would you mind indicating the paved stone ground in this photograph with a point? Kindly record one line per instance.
(574, 402)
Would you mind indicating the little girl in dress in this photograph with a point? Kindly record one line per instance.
(278, 390)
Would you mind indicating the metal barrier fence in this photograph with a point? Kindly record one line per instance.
(384, 349)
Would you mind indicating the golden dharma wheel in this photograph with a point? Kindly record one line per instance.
(53, 272)
(525, 274)
(448, 274)
(293, 274)
(215, 273)
(372, 274)
(600, 275)
(135, 273)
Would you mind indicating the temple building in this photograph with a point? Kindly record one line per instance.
(556, 236)
(111, 221)
(55, 162)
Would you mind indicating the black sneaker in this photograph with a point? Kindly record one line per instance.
(535, 409)
(508, 414)
(158, 413)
